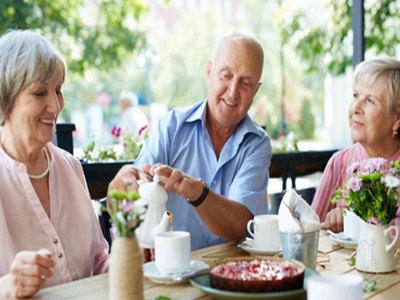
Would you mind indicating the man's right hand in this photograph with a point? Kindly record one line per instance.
(127, 178)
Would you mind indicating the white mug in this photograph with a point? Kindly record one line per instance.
(351, 225)
(172, 252)
(333, 287)
(266, 232)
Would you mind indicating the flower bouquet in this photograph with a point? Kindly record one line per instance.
(126, 214)
(126, 272)
(373, 194)
(373, 190)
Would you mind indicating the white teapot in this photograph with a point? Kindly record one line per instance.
(157, 217)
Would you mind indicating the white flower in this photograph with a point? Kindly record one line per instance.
(391, 181)
(120, 217)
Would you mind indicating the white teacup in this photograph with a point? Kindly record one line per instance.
(172, 252)
(351, 225)
(333, 287)
(266, 232)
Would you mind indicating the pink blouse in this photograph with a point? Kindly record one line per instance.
(335, 175)
(72, 233)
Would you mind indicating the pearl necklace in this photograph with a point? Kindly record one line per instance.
(46, 154)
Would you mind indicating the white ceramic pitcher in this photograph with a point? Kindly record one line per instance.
(375, 248)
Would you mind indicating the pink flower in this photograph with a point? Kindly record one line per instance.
(127, 181)
(281, 134)
(113, 229)
(126, 207)
(373, 220)
(373, 165)
(116, 131)
(353, 168)
(133, 223)
(354, 184)
(141, 130)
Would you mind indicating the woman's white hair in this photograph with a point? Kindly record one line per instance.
(25, 57)
(385, 69)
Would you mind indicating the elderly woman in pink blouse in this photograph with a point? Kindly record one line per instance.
(374, 119)
(49, 232)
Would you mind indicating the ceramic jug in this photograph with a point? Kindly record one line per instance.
(375, 248)
(156, 218)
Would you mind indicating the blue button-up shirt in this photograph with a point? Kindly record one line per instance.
(240, 174)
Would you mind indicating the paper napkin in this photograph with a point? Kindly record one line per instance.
(308, 219)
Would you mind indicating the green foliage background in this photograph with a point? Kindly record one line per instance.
(103, 44)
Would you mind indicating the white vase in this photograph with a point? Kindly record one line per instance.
(375, 248)
(125, 273)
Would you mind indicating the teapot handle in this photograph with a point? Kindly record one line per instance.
(394, 241)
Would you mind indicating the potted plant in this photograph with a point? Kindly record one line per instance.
(373, 194)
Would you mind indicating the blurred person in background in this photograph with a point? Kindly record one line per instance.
(132, 117)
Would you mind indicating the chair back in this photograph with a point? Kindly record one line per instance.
(307, 194)
(104, 220)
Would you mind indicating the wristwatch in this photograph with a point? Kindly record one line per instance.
(203, 195)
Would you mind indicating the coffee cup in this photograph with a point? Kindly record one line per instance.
(351, 225)
(265, 232)
(332, 287)
(172, 252)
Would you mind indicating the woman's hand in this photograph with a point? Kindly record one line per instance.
(28, 274)
(334, 220)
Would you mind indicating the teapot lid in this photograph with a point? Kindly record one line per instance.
(153, 191)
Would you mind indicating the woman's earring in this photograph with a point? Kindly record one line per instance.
(394, 134)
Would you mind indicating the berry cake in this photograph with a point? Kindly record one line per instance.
(257, 275)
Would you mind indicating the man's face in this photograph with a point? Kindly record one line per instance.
(233, 81)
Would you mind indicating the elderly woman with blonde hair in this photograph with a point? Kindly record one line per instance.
(374, 119)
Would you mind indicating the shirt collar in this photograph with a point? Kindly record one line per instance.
(246, 126)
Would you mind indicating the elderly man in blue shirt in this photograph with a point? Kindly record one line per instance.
(212, 158)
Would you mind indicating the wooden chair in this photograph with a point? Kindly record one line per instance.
(63, 137)
(307, 194)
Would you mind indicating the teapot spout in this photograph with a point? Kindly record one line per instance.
(165, 222)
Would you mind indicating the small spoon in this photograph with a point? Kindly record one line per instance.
(183, 277)
(340, 237)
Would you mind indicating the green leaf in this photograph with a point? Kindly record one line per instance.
(368, 285)
(162, 298)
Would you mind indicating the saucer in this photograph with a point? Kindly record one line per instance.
(250, 247)
(341, 242)
(196, 267)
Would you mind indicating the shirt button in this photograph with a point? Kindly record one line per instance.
(59, 254)
(55, 241)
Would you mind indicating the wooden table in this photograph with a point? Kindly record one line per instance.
(96, 288)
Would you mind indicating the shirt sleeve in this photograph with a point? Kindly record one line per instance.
(249, 186)
(333, 177)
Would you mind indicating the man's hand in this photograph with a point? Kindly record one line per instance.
(175, 181)
(127, 174)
